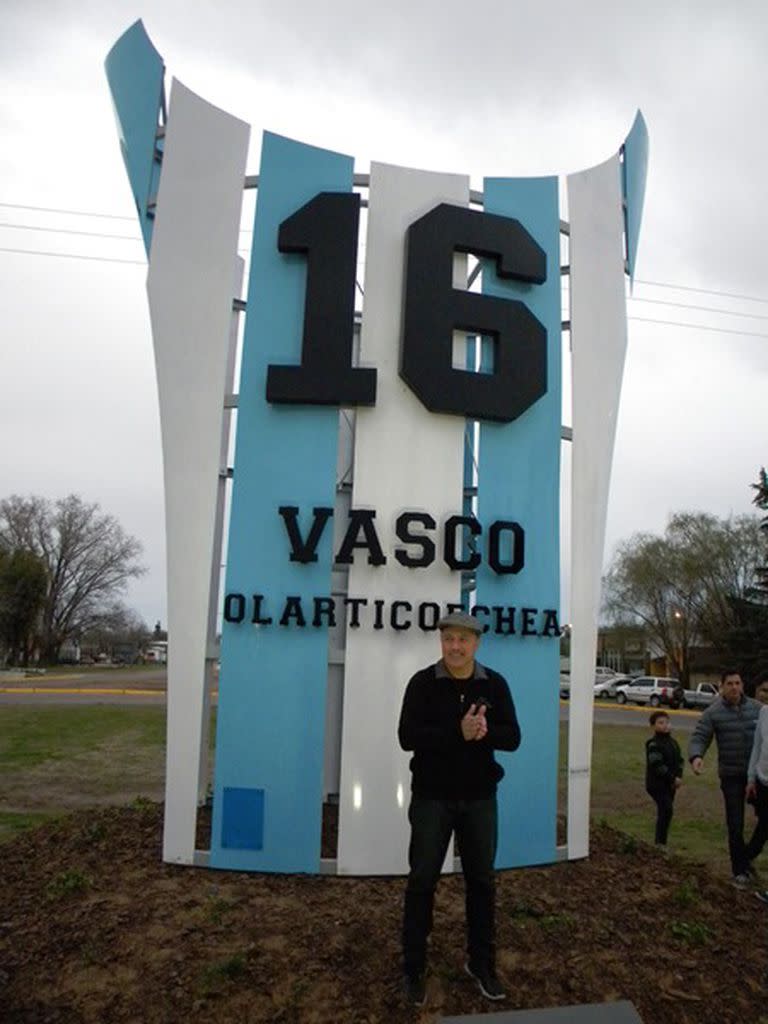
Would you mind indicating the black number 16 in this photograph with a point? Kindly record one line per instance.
(326, 230)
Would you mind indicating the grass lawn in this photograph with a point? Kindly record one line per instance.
(56, 759)
(31, 736)
(619, 797)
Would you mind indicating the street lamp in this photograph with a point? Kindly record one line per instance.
(677, 614)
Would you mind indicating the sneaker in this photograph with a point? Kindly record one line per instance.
(754, 874)
(415, 989)
(741, 881)
(762, 895)
(487, 981)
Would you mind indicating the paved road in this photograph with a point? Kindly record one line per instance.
(128, 686)
(609, 713)
(121, 677)
(91, 686)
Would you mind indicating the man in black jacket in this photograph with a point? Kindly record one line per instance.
(455, 714)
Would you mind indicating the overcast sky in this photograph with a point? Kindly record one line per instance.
(504, 89)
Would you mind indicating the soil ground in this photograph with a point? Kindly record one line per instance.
(94, 929)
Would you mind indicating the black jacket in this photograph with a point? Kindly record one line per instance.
(663, 762)
(445, 766)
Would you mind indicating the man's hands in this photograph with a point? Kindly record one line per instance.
(473, 724)
(698, 765)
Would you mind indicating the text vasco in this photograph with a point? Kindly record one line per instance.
(505, 544)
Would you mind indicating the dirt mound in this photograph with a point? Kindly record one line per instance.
(94, 928)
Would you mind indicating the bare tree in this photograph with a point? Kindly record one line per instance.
(116, 631)
(89, 560)
(686, 587)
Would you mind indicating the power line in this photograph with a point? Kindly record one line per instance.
(74, 256)
(74, 213)
(704, 291)
(142, 263)
(106, 259)
(697, 327)
(69, 231)
(115, 216)
(703, 309)
(652, 284)
(79, 213)
(135, 238)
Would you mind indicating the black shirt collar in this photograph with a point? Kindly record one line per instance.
(441, 672)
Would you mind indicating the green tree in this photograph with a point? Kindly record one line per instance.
(761, 501)
(687, 588)
(750, 632)
(23, 585)
(88, 560)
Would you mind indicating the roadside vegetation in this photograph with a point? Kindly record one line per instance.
(619, 798)
(54, 760)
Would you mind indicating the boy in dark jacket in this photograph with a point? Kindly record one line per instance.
(663, 772)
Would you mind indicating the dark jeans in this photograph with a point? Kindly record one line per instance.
(665, 802)
(760, 835)
(432, 822)
(732, 788)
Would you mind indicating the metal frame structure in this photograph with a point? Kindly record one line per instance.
(190, 218)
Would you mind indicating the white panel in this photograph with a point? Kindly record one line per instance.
(599, 342)
(193, 276)
(405, 458)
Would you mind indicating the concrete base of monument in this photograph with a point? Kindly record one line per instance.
(593, 1013)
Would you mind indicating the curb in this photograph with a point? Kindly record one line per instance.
(89, 690)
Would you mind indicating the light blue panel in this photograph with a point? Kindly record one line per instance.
(135, 72)
(272, 686)
(635, 171)
(519, 480)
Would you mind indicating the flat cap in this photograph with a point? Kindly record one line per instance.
(461, 620)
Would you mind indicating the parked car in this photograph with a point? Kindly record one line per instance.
(653, 690)
(607, 687)
(700, 696)
(565, 685)
(603, 673)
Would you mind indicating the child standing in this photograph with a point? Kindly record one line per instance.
(663, 772)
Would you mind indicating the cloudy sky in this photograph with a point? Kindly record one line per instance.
(508, 88)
